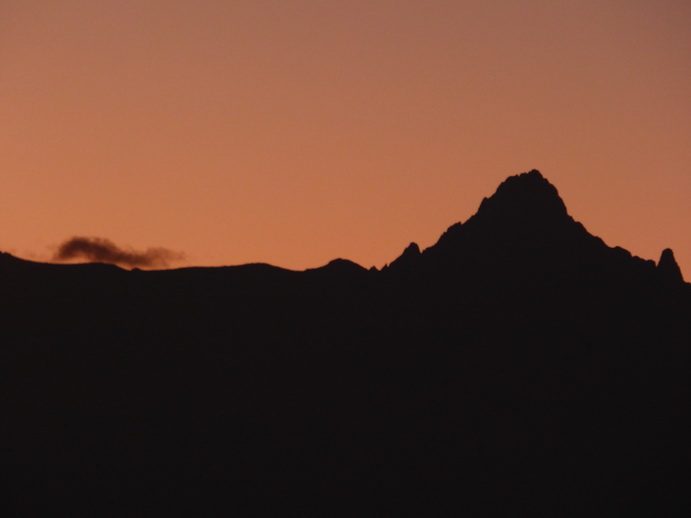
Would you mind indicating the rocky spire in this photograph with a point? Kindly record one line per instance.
(668, 267)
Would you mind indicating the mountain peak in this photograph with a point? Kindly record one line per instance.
(523, 226)
(528, 195)
(667, 266)
(409, 258)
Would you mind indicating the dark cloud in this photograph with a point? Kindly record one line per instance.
(98, 249)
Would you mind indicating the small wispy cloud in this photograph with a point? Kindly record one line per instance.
(97, 249)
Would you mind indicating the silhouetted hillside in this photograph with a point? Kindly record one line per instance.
(520, 366)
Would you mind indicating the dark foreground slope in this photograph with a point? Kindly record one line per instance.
(520, 366)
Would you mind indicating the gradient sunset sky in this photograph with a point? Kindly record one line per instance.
(295, 132)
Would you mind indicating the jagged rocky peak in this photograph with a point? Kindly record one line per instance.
(527, 195)
(668, 266)
(409, 256)
(411, 250)
(524, 219)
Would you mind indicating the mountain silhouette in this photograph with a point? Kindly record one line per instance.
(518, 366)
(668, 266)
(525, 229)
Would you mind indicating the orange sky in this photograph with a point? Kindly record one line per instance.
(295, 132)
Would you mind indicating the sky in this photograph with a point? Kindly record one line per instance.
(294, 132)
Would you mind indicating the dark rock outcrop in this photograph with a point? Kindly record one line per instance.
(408, 259)
(668, 267)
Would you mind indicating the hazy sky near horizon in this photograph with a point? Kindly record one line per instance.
(297, 131)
